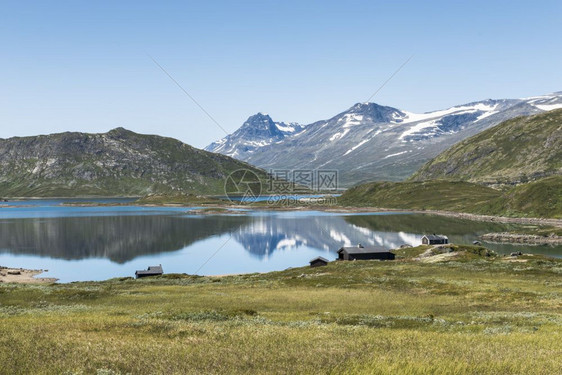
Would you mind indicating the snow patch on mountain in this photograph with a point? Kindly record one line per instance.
(418, 127)
(356, 146)
(288, 128)
(446, 121)
(415, 117)
(546, 102)
(339, 135)
(396, 154)
(487, 114)
(549, 107)
(350, 120)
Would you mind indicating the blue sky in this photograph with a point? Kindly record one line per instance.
(84, 65)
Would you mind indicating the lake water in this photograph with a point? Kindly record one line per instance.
(97, 243)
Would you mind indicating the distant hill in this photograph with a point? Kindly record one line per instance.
(518, 150)
(430, 195)
(117, 163)
(542, 198)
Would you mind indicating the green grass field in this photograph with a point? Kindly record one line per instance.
(471, 313)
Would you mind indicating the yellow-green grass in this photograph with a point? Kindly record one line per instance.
(470, 314)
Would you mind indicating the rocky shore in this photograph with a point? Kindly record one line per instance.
(497, 219)
(522, 238)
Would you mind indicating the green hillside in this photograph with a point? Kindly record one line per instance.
(117, 163)
(541, 198)
(430, 195)
(517, 150)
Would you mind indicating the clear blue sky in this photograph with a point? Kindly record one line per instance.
(83, 65)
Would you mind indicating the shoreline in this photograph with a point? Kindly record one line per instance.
(304, 207)
(24, 276)
(523, 239)
(460, 215)
(497, 219)
(27, 276)
(334, 209)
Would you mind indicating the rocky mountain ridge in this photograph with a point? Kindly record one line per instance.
(372, 142)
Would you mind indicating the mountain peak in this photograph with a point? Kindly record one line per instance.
(257, 128)
(365, 105)
(261, 122)
(377, 112)
(259, 117)
(119, 132)
(257, 131)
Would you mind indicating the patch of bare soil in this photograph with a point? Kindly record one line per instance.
(23, 276)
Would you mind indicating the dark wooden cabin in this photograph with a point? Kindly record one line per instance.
(318, 262)
(151, 271)
(434, 239)
(360, 252)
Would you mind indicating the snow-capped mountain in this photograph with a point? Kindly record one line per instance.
(369, 141)
(258, 131)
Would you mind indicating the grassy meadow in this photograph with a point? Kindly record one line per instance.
(472, 312)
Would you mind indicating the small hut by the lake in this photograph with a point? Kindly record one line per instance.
(151, 271)
(361, 252)
(435, 239)
(318, 262)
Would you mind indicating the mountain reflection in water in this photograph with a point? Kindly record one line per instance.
(252, 242)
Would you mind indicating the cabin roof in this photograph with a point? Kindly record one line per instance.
(363, 250)
(151, 270)
(319, 258)
(436, 237)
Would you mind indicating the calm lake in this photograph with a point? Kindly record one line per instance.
(97, 243)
